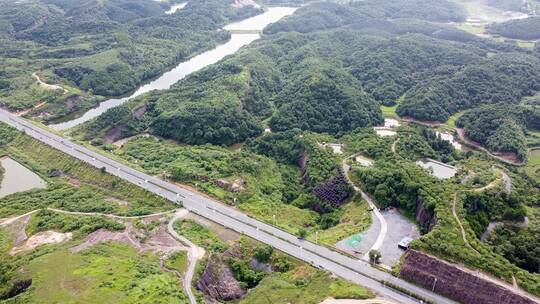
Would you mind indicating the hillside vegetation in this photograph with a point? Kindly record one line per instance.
(102, 47)
(527, 29)
(501, 127)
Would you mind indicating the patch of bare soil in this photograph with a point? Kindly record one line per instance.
(41, 238)
(157, 240)
(114, 133)
(242, 3)
(115, 200)
(16, 228)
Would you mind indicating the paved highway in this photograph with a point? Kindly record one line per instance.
(348, 268)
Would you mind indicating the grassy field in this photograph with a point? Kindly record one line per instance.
(200, 235)
(355, 217)
(477, 29)
(72, 184)
(389, 111)
(263, 182)
(532, 169)
(177, 261)
(452, 119)
(105, 273)
(303, 285)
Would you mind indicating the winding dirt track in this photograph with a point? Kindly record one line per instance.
(194, 254)
(507, 183)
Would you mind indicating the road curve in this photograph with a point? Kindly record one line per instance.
(194, 253)
(374, 208)
(357, 271)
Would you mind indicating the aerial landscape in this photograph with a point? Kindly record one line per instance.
(270, 151)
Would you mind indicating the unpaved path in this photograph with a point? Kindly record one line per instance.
(486, 187)
(50, 87)
(372, 205)
(194, 254)
(463, 233)
(394, 146)
(120, 217)
(505, 159)
(376, 300)
(11, 220)
(37, 106)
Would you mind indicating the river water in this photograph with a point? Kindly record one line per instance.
(18, 178)
(194, 64)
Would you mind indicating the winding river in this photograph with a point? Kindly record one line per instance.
(165, 81)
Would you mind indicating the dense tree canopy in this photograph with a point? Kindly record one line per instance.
(501, 78)
(104, 47)
(501, 127)
(528, 28)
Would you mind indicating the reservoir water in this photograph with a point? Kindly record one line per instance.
(437, 169)
(18, 178)
(194, 64)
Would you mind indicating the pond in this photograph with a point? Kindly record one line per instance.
(363, 161)
(17, 178)
(437, 169)
(196, 63)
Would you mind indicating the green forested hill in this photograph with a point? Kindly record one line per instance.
(325, 15)
(501, 127)
(333, 78)
(102, 47)
(502, 78)
(329, 82)
(528, 28)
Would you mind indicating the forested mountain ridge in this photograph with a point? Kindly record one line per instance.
(102, 47)
(503, 78)
(501, 127)
(297, 79)
(325, 15)
(528, 28)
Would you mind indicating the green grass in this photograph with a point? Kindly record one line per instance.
(452, 119)
(354, 218)
(472, 28)
(389, 111)
(177, 261)
(204, 167)
(79, 188)
(532, 169)
(302, 285)
(5, 243)
(200, 235)
(105, 273)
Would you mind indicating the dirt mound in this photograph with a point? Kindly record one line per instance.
(456, 283)
(41, 238)
(158, 240)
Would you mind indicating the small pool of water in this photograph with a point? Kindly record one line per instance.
(437, 169)
(450, 138)
(363, 161)
(17, 178)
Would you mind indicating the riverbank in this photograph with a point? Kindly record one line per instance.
(196, 63)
